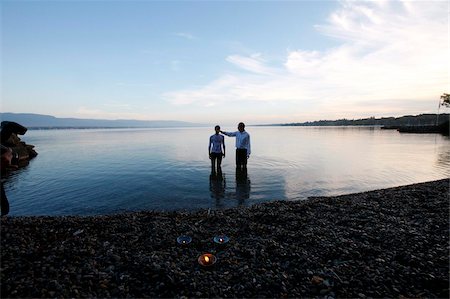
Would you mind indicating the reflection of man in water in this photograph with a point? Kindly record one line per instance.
(242, 186)
(242, 145)
(216, 144)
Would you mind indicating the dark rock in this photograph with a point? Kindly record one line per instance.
(9, 136)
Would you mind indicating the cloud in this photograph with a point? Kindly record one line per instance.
(134, 85)
(389, 52)
(254, 63)
(110, 111)
(206, 96)
(184, 35)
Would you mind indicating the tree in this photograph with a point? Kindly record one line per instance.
(445, 100)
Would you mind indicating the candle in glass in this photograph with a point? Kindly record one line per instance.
(207, 259)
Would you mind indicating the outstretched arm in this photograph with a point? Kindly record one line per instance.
(229, 134)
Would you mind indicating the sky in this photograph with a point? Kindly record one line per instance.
(222, 62)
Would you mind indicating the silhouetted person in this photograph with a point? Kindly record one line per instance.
(6, 158)
(216, 150)
(242, 145)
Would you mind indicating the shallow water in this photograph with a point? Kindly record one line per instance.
(87, 172)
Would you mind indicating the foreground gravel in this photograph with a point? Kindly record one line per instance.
(386, 243)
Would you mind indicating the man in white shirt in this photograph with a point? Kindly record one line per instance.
(242, 145)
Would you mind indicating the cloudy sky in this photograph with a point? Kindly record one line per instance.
(224, 61)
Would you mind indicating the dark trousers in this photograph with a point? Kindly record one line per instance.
(241, 158)
(216, 157)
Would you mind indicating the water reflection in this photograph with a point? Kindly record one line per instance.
(443, 159)
(217, 187)
(242, 186)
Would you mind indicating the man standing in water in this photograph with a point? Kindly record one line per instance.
(216, 144)
(242, 146)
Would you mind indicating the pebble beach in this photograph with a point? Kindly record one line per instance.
(385, 243)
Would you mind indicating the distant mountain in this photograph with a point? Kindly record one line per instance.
(31, 121)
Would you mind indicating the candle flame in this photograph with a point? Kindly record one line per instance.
(206, 259)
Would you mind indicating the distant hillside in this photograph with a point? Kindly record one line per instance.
(409, 120)
(46, 121)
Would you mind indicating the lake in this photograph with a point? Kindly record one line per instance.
(104, 171)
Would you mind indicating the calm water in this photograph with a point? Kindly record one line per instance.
(85, 172)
